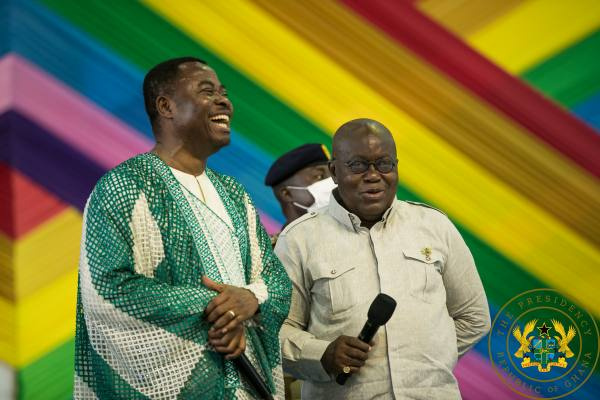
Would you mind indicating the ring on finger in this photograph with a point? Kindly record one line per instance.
(232, 314)
(346, 369)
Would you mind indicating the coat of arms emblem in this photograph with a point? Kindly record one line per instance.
(544, 350)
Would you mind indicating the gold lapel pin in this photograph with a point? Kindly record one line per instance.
(426, 251)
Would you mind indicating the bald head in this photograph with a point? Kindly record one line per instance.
(360, 129)
(364, 167)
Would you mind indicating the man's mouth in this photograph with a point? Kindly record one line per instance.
(221, 120)
(373, 193)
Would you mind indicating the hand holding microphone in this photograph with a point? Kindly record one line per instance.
(345, 352)
(346, 355)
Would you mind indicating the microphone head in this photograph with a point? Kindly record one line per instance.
(381, 309)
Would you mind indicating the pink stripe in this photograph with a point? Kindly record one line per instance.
(478, 380)
(69, 116)
(269, 223)
(72, 118)
(6, 84)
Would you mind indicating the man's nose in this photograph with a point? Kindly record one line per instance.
(371, 174)
(222, 100)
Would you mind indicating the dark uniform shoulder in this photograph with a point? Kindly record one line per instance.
(418, 204)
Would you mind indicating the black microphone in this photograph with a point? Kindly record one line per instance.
(380, 312)
(247, 369)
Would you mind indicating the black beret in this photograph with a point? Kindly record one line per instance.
(294, 160)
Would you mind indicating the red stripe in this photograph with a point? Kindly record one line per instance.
(23, 204)
(546, 120)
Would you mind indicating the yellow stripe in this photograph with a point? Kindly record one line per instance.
(311, 83)
(37, 307)
(466, 16)
(8, 341)
(39, 322)
(535, 30)
(42, 255)
(487, 137)
(6, 272)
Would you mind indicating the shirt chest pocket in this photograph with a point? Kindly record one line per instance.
(424, 268)
(334, 287)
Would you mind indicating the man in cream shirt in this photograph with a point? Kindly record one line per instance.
(367, 242)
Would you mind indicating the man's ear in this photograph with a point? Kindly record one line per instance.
(284, 195)
(331, 166)
(165, 107)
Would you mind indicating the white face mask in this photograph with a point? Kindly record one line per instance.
(320, 190)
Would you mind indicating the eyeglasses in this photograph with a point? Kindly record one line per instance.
(383, 165)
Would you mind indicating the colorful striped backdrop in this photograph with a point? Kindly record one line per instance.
(494, 105)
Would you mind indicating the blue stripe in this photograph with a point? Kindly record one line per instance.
(589, 111)
(80, 62)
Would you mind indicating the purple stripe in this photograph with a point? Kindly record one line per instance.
(74, 120)
(51, 163)
(69, 116)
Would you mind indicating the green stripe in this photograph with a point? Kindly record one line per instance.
(571, 76)
(51, 376)
(148, 40)
(274, 126)
(151, 39)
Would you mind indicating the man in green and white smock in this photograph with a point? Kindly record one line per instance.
(176, 275)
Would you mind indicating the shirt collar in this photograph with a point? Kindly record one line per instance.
(352, 221)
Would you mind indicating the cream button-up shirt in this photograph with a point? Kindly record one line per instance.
(415, 255)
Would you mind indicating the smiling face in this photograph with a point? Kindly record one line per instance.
(200, 109)
(371, 193)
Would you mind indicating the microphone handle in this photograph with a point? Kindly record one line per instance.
(366, 335)
(246, 368)
(368, 332)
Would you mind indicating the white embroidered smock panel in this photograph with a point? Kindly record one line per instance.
(201, 187)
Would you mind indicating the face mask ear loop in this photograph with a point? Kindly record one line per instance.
(300, 206)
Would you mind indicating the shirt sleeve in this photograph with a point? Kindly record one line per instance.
(465, 297)
(259, 290)
(268, 282)
(301, 350)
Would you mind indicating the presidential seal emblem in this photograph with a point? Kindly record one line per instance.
(544, 351)
(543, 345)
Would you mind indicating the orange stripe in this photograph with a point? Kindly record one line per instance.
(265, 49)
(467, 16)
(504, 148)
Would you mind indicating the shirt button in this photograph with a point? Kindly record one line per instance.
(333, 271)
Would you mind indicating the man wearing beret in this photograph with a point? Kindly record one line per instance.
(301, 181)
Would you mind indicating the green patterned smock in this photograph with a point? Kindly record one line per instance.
(146, 243)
